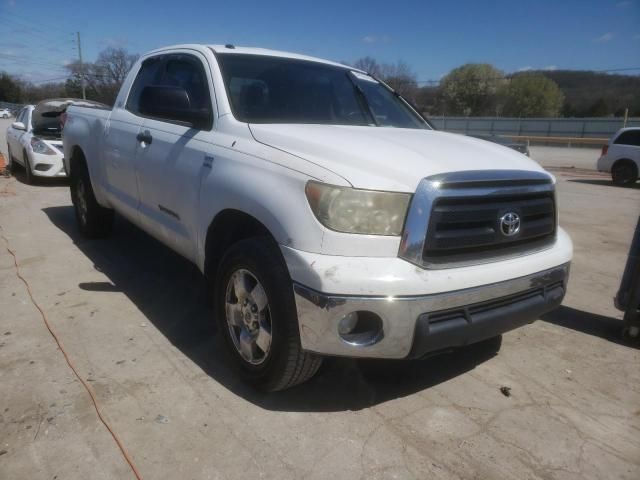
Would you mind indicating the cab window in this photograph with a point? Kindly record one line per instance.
(148, 75)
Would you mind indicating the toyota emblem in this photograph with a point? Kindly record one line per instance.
(510, 224)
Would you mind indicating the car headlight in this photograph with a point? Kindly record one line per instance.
(38, 146)
(351, 210)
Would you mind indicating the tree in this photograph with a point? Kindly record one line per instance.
(103, 78)
(36, 93)
(369, 65)
(532, 95)
(599, 108)
(398, 76)
(10, 88)
(472, 89)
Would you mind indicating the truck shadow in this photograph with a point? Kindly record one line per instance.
(606, 183)
(608, 328)
(170, 292)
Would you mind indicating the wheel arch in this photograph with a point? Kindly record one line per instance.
(78, 158)
(228, 227)
(622, 160)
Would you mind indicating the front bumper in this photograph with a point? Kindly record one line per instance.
(413, 326)
(47, 165)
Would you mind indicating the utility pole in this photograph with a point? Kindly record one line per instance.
(84, 95)
(626, 117)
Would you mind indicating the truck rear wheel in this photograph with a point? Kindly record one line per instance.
(94, 221)
(256, 314)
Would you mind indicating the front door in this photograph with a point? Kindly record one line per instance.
(173, 157)
(121, 144)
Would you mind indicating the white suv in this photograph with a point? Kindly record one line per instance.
(621, 157)
(5, 113)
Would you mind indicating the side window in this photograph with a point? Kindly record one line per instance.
(148, 75)
(630, 137)
(187, 71)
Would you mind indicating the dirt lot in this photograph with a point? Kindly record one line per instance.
(132, 317)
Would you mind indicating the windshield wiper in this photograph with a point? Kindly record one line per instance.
(364, 103)
(412, 105)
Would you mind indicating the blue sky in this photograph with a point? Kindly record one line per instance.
(431, 36)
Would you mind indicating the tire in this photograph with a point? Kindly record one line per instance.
(94, 220)
(624, 173)
(28, 173)
(282, 363)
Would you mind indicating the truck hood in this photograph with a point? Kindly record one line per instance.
(383, 158)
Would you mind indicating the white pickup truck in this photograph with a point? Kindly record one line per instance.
(327, 215)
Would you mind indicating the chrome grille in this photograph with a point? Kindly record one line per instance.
(473, 224)
(455, 219)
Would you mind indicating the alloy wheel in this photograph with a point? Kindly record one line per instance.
(248, 316)
(81, 201)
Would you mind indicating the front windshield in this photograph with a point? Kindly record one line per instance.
(264, 89)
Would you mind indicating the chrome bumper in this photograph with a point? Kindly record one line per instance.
(414, 326)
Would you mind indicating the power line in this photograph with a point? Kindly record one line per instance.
(7, 57)
(38, 27)
(32, 32)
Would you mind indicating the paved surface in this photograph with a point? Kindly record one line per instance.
(131, 315)
(566, 157)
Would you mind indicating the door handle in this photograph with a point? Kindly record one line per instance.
(144, 137)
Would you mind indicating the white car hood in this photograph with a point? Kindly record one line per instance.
(383, 158)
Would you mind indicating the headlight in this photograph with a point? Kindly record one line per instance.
(350, 210)
(38, 146)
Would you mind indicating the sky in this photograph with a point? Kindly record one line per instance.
(37, 37)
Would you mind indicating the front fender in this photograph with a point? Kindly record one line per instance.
(272, 194)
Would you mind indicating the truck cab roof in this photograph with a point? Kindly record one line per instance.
(240, 50)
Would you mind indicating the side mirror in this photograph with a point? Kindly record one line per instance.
(173, 104)
(18, 126)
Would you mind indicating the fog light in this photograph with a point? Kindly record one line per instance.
(348, 323)
(361, 328)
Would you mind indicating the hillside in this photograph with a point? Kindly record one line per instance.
(593, 94)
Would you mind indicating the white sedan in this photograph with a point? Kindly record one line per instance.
(5, 113)
(34, 141)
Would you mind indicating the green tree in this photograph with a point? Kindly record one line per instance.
(10, 88)
(532, 95)
(471, 89)
(600, 108)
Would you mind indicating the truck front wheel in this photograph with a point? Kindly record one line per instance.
(256, 314)
(94, 221)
